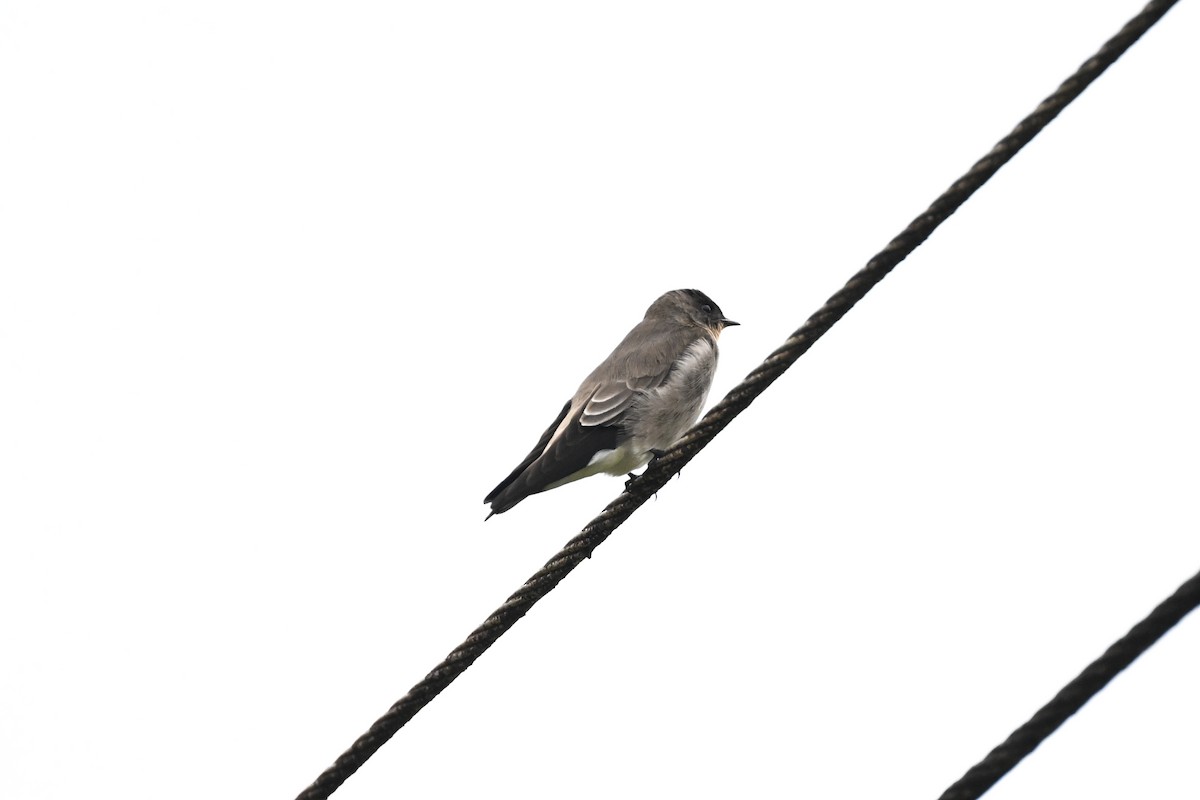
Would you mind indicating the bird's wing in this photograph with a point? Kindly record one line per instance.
(537, 450)
(565, 448)
(642, 362)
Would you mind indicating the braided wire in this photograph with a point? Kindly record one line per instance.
(739, 398)
(979, 778)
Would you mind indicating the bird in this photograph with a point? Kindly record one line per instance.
(633, 406)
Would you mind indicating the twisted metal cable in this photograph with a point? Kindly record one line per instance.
(738, 399)
(981, 777)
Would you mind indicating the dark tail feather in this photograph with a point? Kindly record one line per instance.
(553, 460)
(508, 493)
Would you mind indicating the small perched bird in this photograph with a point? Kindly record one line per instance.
(633, 406)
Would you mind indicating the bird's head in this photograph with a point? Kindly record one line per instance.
(691, 307)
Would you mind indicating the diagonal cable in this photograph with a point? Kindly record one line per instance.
(738, 399)
(981, 777)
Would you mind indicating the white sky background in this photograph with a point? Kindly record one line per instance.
(286, 288)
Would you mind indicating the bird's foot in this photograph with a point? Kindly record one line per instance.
(657, 454)
(654, 456)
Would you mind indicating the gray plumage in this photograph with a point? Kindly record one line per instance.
(640, 400)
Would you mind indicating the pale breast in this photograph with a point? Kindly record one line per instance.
(661, 416)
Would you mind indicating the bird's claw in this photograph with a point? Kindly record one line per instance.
(657, 454)
(654, 456)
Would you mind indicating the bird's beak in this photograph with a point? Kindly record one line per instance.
(728, 323)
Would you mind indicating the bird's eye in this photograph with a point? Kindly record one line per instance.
(707, 309)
